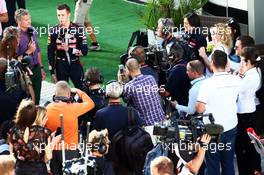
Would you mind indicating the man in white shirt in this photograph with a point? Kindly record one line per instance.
(3, 15)
(218, 95)
(195, 71)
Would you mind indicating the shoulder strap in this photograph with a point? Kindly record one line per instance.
(131, 117)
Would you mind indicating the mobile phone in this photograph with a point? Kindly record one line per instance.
(121, 68)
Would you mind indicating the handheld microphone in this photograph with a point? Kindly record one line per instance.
(65, 39)
(30, 32)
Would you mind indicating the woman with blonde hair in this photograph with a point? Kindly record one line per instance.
(7, 165)
(221, 40)
(41, 117)
(32, 144)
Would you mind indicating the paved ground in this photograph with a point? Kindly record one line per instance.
(47, 93)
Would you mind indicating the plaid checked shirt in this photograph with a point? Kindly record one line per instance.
(142, 93)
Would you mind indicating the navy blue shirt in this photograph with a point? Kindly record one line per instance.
(146, 70)
(178, 83)
(114, 118)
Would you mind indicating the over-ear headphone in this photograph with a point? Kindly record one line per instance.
(102, 147)
(165, 29)
(93, 76)
(167, 24)
(99, 79)
(63, 99)
(114, 89)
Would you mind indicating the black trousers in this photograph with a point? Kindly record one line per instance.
(11, 8)
(248, 160)
(260, 120)
(74, 71)
(56, 161)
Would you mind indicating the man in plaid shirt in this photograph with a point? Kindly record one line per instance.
(142, 94)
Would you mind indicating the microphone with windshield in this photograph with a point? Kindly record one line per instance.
(213, 129)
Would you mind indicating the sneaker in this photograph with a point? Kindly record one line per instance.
(95, 47)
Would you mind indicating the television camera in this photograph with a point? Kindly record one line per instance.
(188, 129)
(15, 77)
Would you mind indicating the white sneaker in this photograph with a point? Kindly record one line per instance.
(95, 47)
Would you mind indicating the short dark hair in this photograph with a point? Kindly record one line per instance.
(26, 114)
(219, 59)
(93, 76)
(246, 41)
(176, 51)
(196, 66)
(64, 6)
(193, 19)
(250, 54)
(140, 57)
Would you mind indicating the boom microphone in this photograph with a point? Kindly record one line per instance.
(214, 130)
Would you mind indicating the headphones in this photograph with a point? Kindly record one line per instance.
(63, 99)
(110, 89)
(102, 147)
(167, 25)
(91, 81)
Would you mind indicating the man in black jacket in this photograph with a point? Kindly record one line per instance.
(66, 43)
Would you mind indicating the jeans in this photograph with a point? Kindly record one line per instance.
(222, 154)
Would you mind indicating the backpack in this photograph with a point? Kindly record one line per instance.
(131, 145)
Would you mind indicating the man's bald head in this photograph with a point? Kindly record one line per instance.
(62, 89)
(132, 65)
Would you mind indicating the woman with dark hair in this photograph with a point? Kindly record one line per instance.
(32, 144)
(193, 31)
(250, 83)
(235, 32)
